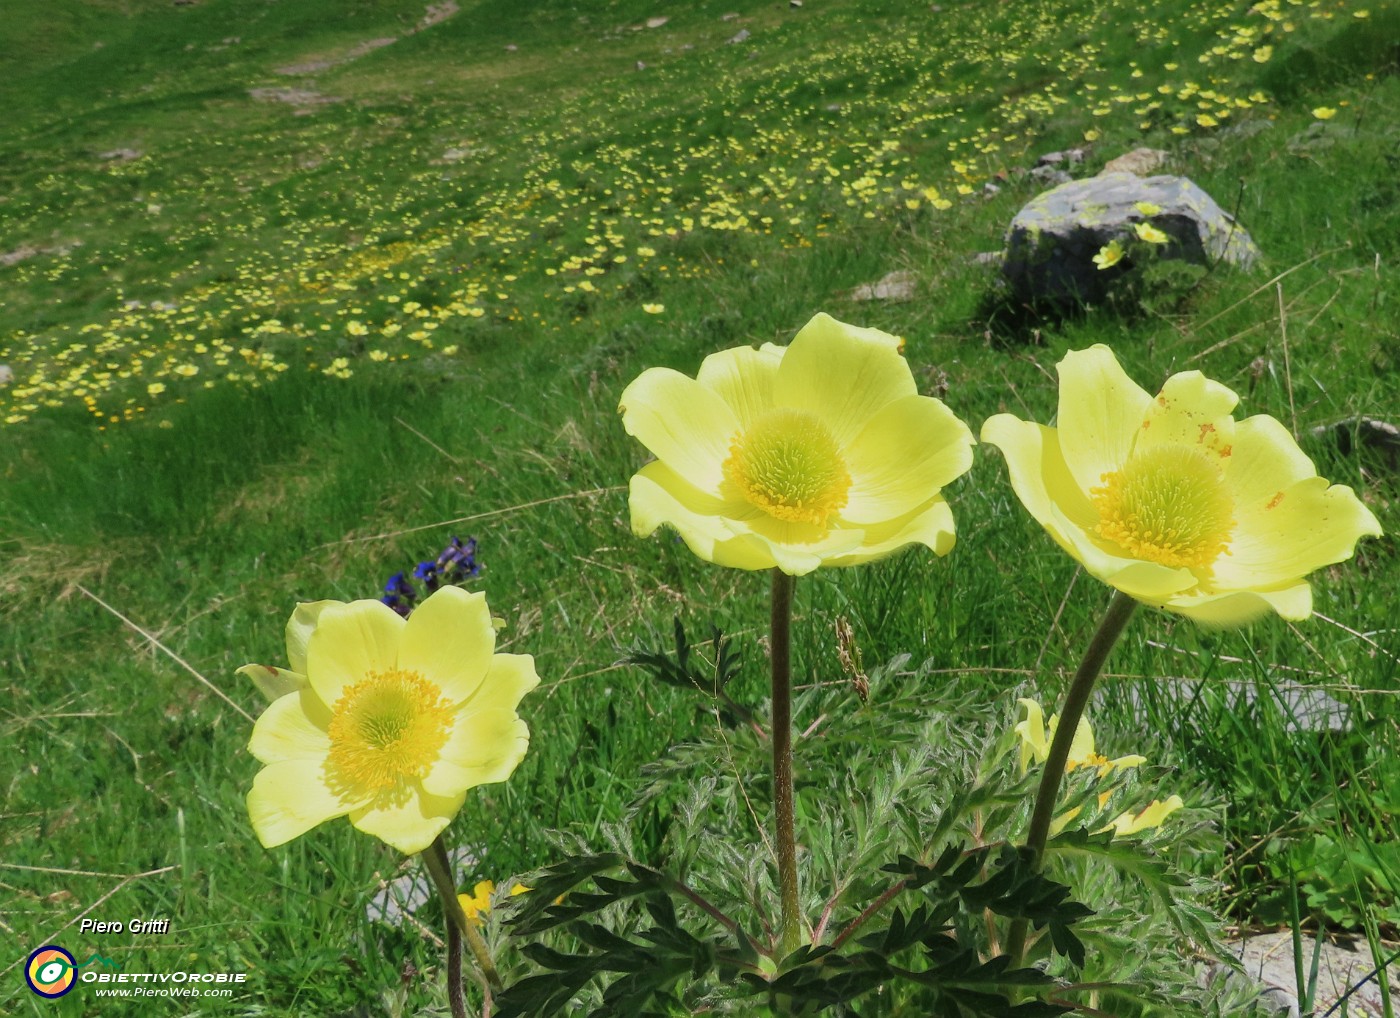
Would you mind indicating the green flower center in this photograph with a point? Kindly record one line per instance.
(387, 728)
(1168, 504)
(788, 464)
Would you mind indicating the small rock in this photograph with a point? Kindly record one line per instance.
(898, 285)
(1318, 135)
(18, 255)
(511, 47)
(657, 22)
(989, 189)
(833, 107)
(641, 65)
(1366, 432)
(6, 375)
(1268, 960)
(1141, 162)
(1247, 128)
(1070, 156)
(122, 154)
(794, 3)
(742, 36)
(407, 893)
(729, 17)
(1049, 176)
(453, 155)
(435, 15)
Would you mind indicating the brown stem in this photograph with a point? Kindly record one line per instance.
(870, 910)
(440, 869)
(781, 640)
(1115, 619)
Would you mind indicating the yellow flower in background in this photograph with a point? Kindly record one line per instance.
(1150, 233)
(1036, 736)
(1148, 208)
(1172, 501)
(1324, 113)
(1109, 255)
(386, 720)
(1152, 815)
(818, 453)
(477, 905)
(653, 309)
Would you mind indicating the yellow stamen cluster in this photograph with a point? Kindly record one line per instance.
(387, 728)
(1168, 504)
(787, 464)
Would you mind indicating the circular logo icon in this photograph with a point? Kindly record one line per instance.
(50, 971)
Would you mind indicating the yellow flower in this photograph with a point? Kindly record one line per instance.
(387, 720)
(1324, 113)
(1035, 744)
(1150, 816)
(477, 904)
(1172, 501)
(1150, 233)
(1147, 208)
(1262, 54)
(1109, 255)
(1036, 736)
(819, 453)
(653, 309)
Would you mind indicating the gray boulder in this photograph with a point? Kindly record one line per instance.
(1051, 244)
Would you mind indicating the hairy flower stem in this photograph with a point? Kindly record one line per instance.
(440, 869)
(1115, 619)
(780, 636)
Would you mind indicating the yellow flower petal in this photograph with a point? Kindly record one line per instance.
(287, 731)
(709, 525)
(930, 525)
(1101, 412)
(408, 823)
(743, 377)
(478, 903)
(273, 682)
(843, 374)
(1290, 522)
(684, 424)
(891, 470)
(1152, 816)
(1190, 410)
(449, 638)
(351, 641)
(484, 747)
(1239, 608)
(1034, 745)
(511, 676)
(299, 629)
(289, 798)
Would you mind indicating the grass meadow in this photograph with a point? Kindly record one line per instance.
(274, 346)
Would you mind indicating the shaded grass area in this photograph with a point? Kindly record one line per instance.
(205, 520)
